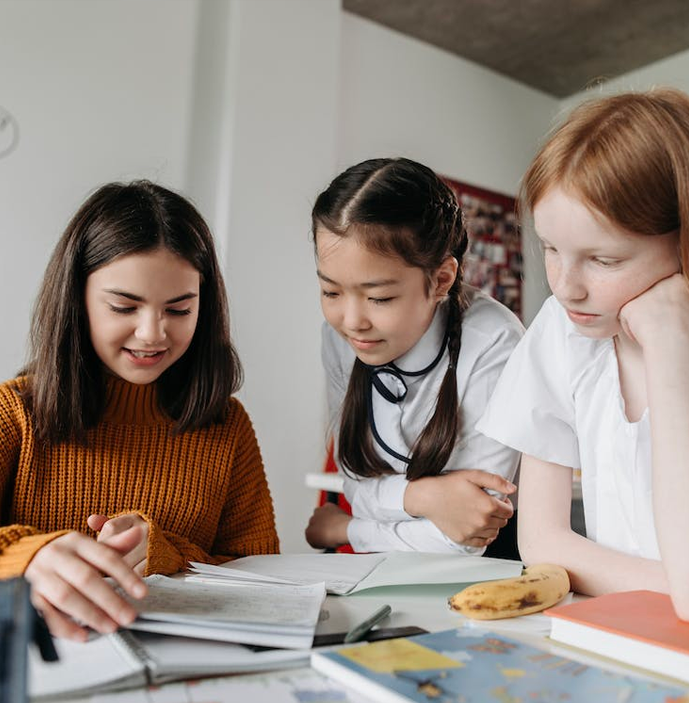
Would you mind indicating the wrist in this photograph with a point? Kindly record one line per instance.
(342, 537)
(414, 497)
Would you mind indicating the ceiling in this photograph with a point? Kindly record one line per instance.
(557, 46)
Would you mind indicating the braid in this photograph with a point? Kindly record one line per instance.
(437, 441)
(355, 448)
(399, 208)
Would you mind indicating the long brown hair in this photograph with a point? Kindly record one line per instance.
(627, 157)
(400, 208)
(66, 379)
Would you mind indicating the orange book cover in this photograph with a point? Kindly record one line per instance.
(643, 615)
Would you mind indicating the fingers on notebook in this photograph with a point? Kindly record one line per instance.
(67, 574)
(128, 534)
(59, 624)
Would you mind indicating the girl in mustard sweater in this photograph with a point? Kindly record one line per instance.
(122, 452)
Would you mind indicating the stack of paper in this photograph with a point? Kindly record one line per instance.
(272, 615)
(344, 574)
(341, 573)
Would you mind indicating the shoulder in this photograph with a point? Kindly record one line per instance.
(237, 419)
(552, 318)
(13, 410)
(556, 337)
(11, 392)
(336, 355)
(333, 342)
(487, 322)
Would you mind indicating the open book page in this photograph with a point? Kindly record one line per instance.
(340, 572)
(418, 568)
(269, 615)
(170, 658)
(105, 662)
(349, 573)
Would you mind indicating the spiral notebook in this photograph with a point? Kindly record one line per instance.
(127, 660)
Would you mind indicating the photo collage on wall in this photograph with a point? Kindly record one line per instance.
(493, 262)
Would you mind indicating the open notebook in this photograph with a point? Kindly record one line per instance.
(126, 660)
(269, 615)
(345, 574)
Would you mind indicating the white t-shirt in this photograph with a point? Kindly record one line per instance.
(489, 334)
(559, 400)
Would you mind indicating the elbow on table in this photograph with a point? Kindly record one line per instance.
(536, 552)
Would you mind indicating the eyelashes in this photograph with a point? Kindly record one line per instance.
(330, 295)
(130, 310)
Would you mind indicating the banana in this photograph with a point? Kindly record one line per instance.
(539, 587)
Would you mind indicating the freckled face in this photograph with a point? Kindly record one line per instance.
(378, 303)
(142, 311)
(593, 266)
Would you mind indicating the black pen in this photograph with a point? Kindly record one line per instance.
(362, 629)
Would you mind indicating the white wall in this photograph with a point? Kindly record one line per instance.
(101, 91)
(403, 97)
(273, 148)
(673, 71)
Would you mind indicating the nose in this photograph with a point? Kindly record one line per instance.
(354, 315)
(150, 329)
(567, 282)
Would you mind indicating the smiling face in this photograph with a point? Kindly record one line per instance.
(593, 266)
(142, 311)
(378, 303)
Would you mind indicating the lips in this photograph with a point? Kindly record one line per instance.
(581, 318)
(364, 343)
(142, 357)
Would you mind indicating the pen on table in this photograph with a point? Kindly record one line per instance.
(362, 629)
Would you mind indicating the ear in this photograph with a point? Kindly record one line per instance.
(444, 277)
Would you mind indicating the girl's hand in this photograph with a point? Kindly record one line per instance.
(108, 528)
(327, 527)
(457, 504)
(660, 311)
(67, 584)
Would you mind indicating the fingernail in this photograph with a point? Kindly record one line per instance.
(140, 590)
(126, 617)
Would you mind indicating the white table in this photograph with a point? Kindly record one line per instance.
(425, 607)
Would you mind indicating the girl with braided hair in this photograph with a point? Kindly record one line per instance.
(411, 356)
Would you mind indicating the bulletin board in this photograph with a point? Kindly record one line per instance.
(493, 262)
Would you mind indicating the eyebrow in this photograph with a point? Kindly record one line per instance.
(139, 299)
(366, 284)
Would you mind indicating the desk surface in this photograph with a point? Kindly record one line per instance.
(423, 606)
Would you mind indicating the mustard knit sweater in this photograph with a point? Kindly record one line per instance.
(203, 493)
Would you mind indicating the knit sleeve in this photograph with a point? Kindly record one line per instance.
(18, 543)
(247, 523)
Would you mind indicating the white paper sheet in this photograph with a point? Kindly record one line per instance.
(340, 572)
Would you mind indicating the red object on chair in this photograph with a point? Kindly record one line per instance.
(337, 498)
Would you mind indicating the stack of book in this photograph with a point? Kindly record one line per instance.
(639, 628)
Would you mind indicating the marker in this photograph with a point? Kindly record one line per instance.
(363, 628)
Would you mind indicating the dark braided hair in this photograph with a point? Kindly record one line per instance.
(399, 208)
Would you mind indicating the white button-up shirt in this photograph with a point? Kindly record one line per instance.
(559, 400)
(489, 334)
